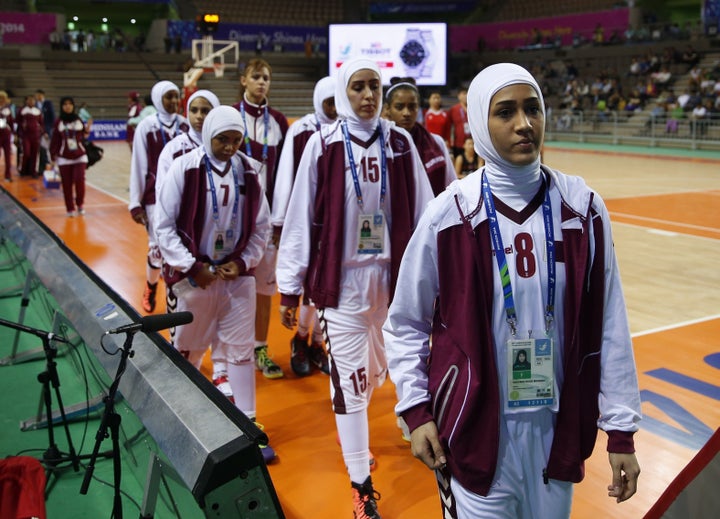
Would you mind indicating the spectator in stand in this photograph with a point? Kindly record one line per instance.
(459, 123)
(662, 76)
(696, 75)
(690, 57)
(469, 161)
(635, 68)
(700, 117)
(683, 99)
(634, 103)
(437, 120)
(675, 115)
(599, 35)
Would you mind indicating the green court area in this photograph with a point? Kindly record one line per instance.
(42, 352)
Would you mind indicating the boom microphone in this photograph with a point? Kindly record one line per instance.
(154, 323)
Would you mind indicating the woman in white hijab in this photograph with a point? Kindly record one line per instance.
(213, 223)
(151, 136)
(303, 356)
(503, 443)
(356, 169)
(198, 106)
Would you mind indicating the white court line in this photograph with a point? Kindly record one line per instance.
(666, 222)
(661, 232)
(677, 325)
(704, 191)
(113, 195)
(48, 208)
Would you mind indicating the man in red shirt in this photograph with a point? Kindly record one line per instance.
(437, 120)
(459, 123)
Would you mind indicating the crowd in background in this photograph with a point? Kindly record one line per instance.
(665, 87)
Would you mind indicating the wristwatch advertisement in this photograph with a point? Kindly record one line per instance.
(418, 53)
(415, 50)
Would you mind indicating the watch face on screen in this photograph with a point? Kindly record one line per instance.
(412, 53)
(412, 49)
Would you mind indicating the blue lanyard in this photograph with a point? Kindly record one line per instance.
(216, 211)
(510, 313)
(266, 123)
(353, 167)
(162, 129)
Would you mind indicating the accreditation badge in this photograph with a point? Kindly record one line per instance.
(72, 143)
(530, 373)
(371, 233)
(224, 244)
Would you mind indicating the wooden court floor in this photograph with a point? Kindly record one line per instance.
(666, 222)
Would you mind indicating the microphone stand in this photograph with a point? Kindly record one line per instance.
(52, 456)
(112, 420)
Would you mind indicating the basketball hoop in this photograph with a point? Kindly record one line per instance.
(219, 69)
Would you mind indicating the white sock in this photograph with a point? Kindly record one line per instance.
(152, 274)
(354, 440)
(242, 382)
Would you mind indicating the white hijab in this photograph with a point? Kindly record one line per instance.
(220, 119)
(323, 89)
(363, 128)
(515, 185)
(159, 89)
(211, 98)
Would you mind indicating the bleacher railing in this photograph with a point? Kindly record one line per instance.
(635, 128)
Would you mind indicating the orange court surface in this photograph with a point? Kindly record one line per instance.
(666, 222)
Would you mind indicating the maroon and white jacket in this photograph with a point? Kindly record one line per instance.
(66, 143)
(184, 216)
(319, 235)
(151, 136)
(30, 122)
(448, 293)
(256, 130)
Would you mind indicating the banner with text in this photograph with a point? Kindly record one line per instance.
(513, 35)
(26, 28)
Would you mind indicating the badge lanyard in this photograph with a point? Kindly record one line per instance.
(266, 122)
(216, 211)
(162, 129)
(511, 314)
(353, 168)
